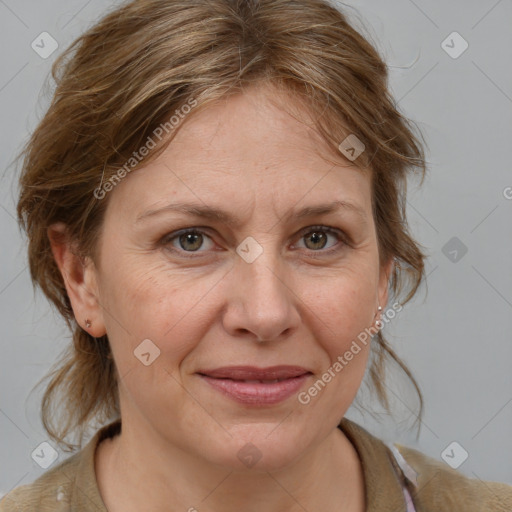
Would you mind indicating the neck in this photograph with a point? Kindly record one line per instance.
(139, 470)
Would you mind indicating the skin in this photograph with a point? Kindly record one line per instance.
(180, 438)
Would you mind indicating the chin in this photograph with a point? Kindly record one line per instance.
(260, 448)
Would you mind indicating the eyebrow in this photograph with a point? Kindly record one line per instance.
(217, 214)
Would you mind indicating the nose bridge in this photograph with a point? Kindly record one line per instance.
(265, 275)
(267, 309)
(262, 275)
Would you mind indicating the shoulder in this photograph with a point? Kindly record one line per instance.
(49, 492)
(71, 485)
(439, 487)
(433, 485)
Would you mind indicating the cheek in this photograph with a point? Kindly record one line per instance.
(155, 305)
(343, 314)
(345, 307)
(163, 306)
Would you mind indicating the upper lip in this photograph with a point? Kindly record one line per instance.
(254, 373)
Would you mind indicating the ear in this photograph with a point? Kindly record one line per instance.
(384, 276)
(80, 279)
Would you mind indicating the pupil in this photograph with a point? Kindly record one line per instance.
(317, 237)
(189, 237)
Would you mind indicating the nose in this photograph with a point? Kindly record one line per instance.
(262, 304)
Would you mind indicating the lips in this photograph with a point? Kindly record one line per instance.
(256, 386)
(251, 373)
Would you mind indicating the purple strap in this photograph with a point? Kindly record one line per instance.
(408, 500)
(408, 474)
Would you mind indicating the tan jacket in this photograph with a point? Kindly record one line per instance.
(71, 486)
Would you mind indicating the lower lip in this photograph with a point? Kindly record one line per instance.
(252, 393)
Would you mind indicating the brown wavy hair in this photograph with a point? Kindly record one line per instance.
(144, 60)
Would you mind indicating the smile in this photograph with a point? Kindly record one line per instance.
(254, 386)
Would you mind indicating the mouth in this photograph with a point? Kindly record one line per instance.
(256, 386)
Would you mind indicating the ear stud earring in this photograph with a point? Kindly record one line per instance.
(87, 323)
(379, 323)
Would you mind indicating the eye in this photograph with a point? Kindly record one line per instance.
(188, 240)
(192, 239)
(316, 238)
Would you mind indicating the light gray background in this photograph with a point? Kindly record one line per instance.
(456, 338)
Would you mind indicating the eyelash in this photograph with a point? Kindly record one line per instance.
(167, 239)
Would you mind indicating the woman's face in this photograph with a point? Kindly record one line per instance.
(270, 287)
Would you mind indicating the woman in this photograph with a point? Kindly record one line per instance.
(214, 202)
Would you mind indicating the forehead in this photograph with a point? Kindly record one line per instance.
(261, 122)
(247, 151)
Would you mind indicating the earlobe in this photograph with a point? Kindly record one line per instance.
(79, 277)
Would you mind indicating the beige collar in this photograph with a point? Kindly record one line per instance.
(382, 487)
